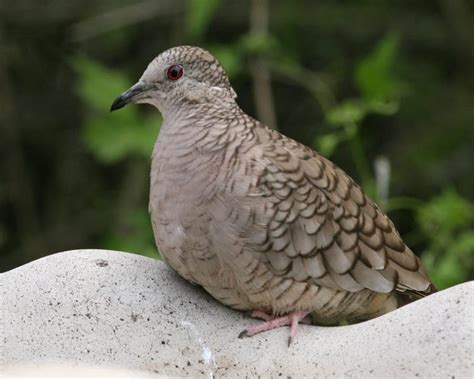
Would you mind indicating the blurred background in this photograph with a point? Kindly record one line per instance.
(383, 88)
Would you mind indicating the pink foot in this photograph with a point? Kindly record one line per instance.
(271, 322)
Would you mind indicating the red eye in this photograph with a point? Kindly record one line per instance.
(175, 72)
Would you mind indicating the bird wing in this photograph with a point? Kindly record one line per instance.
(323, 229)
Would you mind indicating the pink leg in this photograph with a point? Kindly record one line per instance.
(294, 327)
(292, 319)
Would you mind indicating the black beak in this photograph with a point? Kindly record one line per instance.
(127, 96)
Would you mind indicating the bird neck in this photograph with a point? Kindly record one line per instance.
(206, 126)
(196, 101)
(190, 113)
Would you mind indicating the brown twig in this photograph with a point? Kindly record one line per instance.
(259, 69)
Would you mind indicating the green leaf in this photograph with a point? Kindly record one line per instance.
(446, 212)
(259, 43)
(464, 247)
(353, 111)
(447, 222)
(138, 237)
(455, 262)
(328, 143)
(98, 86)
(448, 271)
(111, 136)
(385, 108)
(230, 58)
(112, 140)
(198, 16)
(375, 76)
(348, 112)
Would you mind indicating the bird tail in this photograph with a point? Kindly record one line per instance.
(408, 295)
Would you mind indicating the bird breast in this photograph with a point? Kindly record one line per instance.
(183, 180)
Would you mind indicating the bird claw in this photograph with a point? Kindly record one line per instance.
(271, 322)
(290, 341)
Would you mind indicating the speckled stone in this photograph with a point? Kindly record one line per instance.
(131, 314)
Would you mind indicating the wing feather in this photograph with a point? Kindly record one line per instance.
(322, 228)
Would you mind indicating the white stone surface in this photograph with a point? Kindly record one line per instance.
(98, 313)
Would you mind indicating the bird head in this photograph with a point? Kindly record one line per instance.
(178, 76)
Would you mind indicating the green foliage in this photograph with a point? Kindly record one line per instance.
(375, 76)
(347, 112)
(97, 84)
(353, 111)
(135, 237)
(379, 89)
(230, 57)
(447, 221)
(111, 137)
(446, 213)
(346, 118)
(198, 16)
(259, 43)
(328, 143)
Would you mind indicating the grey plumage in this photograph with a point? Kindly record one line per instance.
(259, 220)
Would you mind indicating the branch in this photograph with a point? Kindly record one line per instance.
(259, 69)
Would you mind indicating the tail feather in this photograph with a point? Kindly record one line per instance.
(407, 295)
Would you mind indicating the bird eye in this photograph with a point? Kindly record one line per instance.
(175, 72)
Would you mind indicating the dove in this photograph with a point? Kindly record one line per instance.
(262, 222)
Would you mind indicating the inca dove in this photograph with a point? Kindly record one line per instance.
(259, 220)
